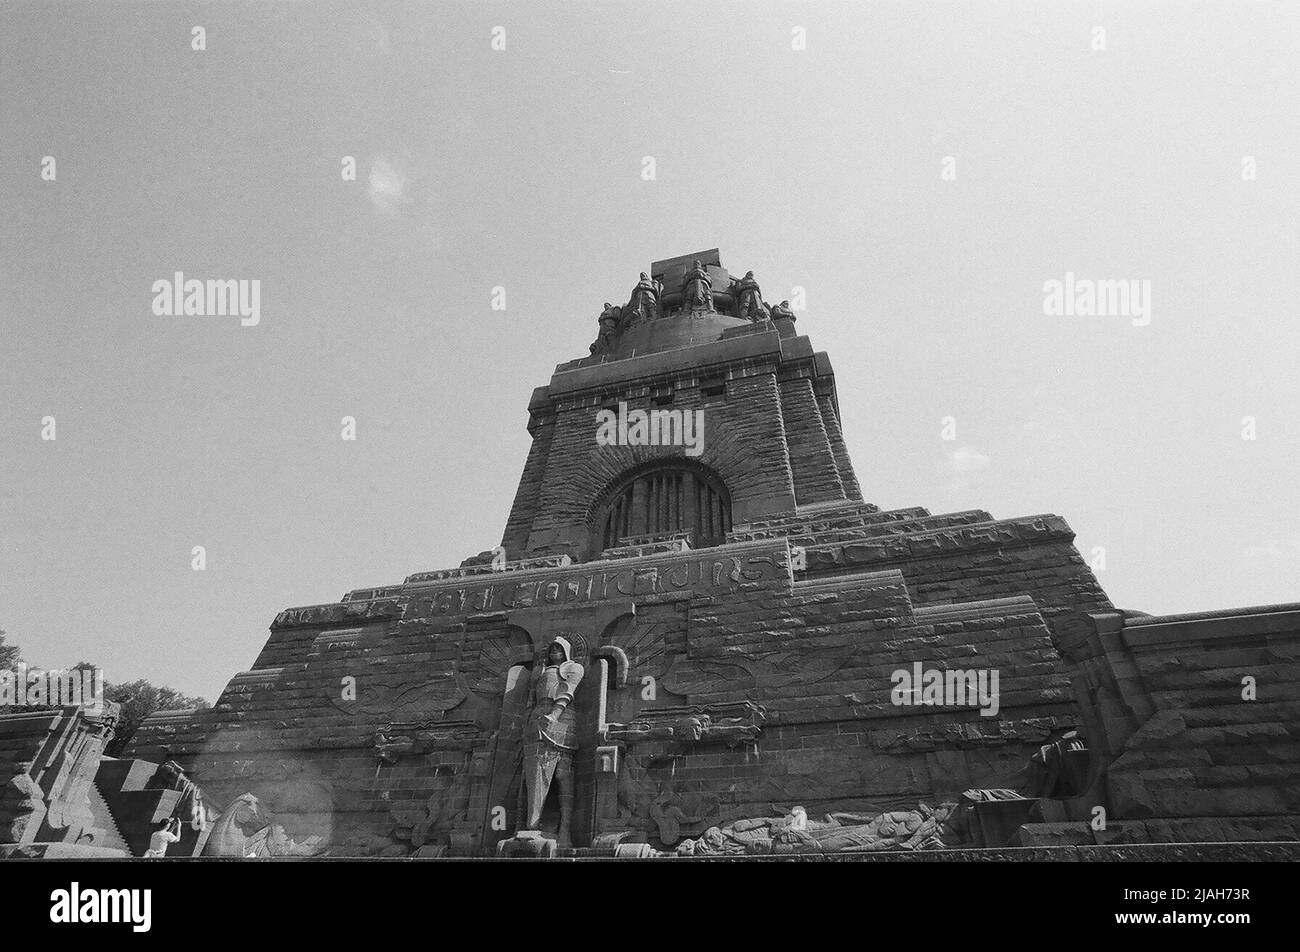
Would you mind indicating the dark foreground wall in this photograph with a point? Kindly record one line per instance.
(730, 683)
(1194, 720)
(720, 684)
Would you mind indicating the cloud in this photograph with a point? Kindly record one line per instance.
(387, 187)
(1280, 550)
(967, 460)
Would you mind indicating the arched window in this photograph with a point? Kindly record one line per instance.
(661, 500)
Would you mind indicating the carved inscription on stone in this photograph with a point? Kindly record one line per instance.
(699, 573)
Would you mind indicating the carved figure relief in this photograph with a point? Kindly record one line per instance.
(729, 723)
(248, 829)
(22, 809)
(919, 829)
(190, 808)
(445, 810)
(650, 800)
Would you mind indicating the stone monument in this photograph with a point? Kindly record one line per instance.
(687, 648)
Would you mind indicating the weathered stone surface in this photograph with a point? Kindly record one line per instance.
(48, 760)
(732, 681)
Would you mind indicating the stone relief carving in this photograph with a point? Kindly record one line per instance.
(654, 803)
(248, 829)
(438, 695)
(445, 810)
(190, 807)
(398, 739)
(645, 641)
(22, 809)
(391, 693)
(67, 802)
(728, 723)
(809, 665)
(486, 675)
(417, 713)
(1058, 769)
(650, 798)
(919, 829)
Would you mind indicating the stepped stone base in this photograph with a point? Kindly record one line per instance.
(745, 690)
(59, 851)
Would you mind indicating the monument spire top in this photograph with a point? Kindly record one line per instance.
(682, 301)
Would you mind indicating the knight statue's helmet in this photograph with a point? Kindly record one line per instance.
(564, 646)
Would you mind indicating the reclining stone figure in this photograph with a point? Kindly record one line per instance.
(917, 829)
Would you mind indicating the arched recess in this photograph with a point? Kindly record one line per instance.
(660, 498)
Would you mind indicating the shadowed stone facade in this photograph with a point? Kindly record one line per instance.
(733, 624)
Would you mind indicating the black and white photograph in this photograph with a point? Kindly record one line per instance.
(625, 455)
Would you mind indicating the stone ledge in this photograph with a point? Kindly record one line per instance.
(13, 851)
(692, 357)
(1000, 534)
(1012, 607)
(1276, 852)
(1162, 632)
(1271, 852)
(730, 550)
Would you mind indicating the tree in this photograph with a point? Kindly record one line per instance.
(138, 699)
(9, 654)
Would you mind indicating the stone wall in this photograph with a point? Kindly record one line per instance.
(1196, 721)
(749, 678)
(787, 682)
(48, 760)
(765, 435)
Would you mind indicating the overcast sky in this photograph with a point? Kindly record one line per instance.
(522, 168)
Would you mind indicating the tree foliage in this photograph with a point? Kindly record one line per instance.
(9, 654)
(138, 699)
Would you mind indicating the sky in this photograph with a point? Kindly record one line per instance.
(922, 170)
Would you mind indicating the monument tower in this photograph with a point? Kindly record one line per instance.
(682, 344)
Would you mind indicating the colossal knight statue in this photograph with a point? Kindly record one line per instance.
(782, 311)
(551, 737)
(697, 288)
(750, 299)
(609, 319)
(645, 298)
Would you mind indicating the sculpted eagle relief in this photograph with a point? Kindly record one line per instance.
(757, 670)
(407, 690)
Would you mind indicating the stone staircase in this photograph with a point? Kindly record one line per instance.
(138, 800)
(105, 832)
